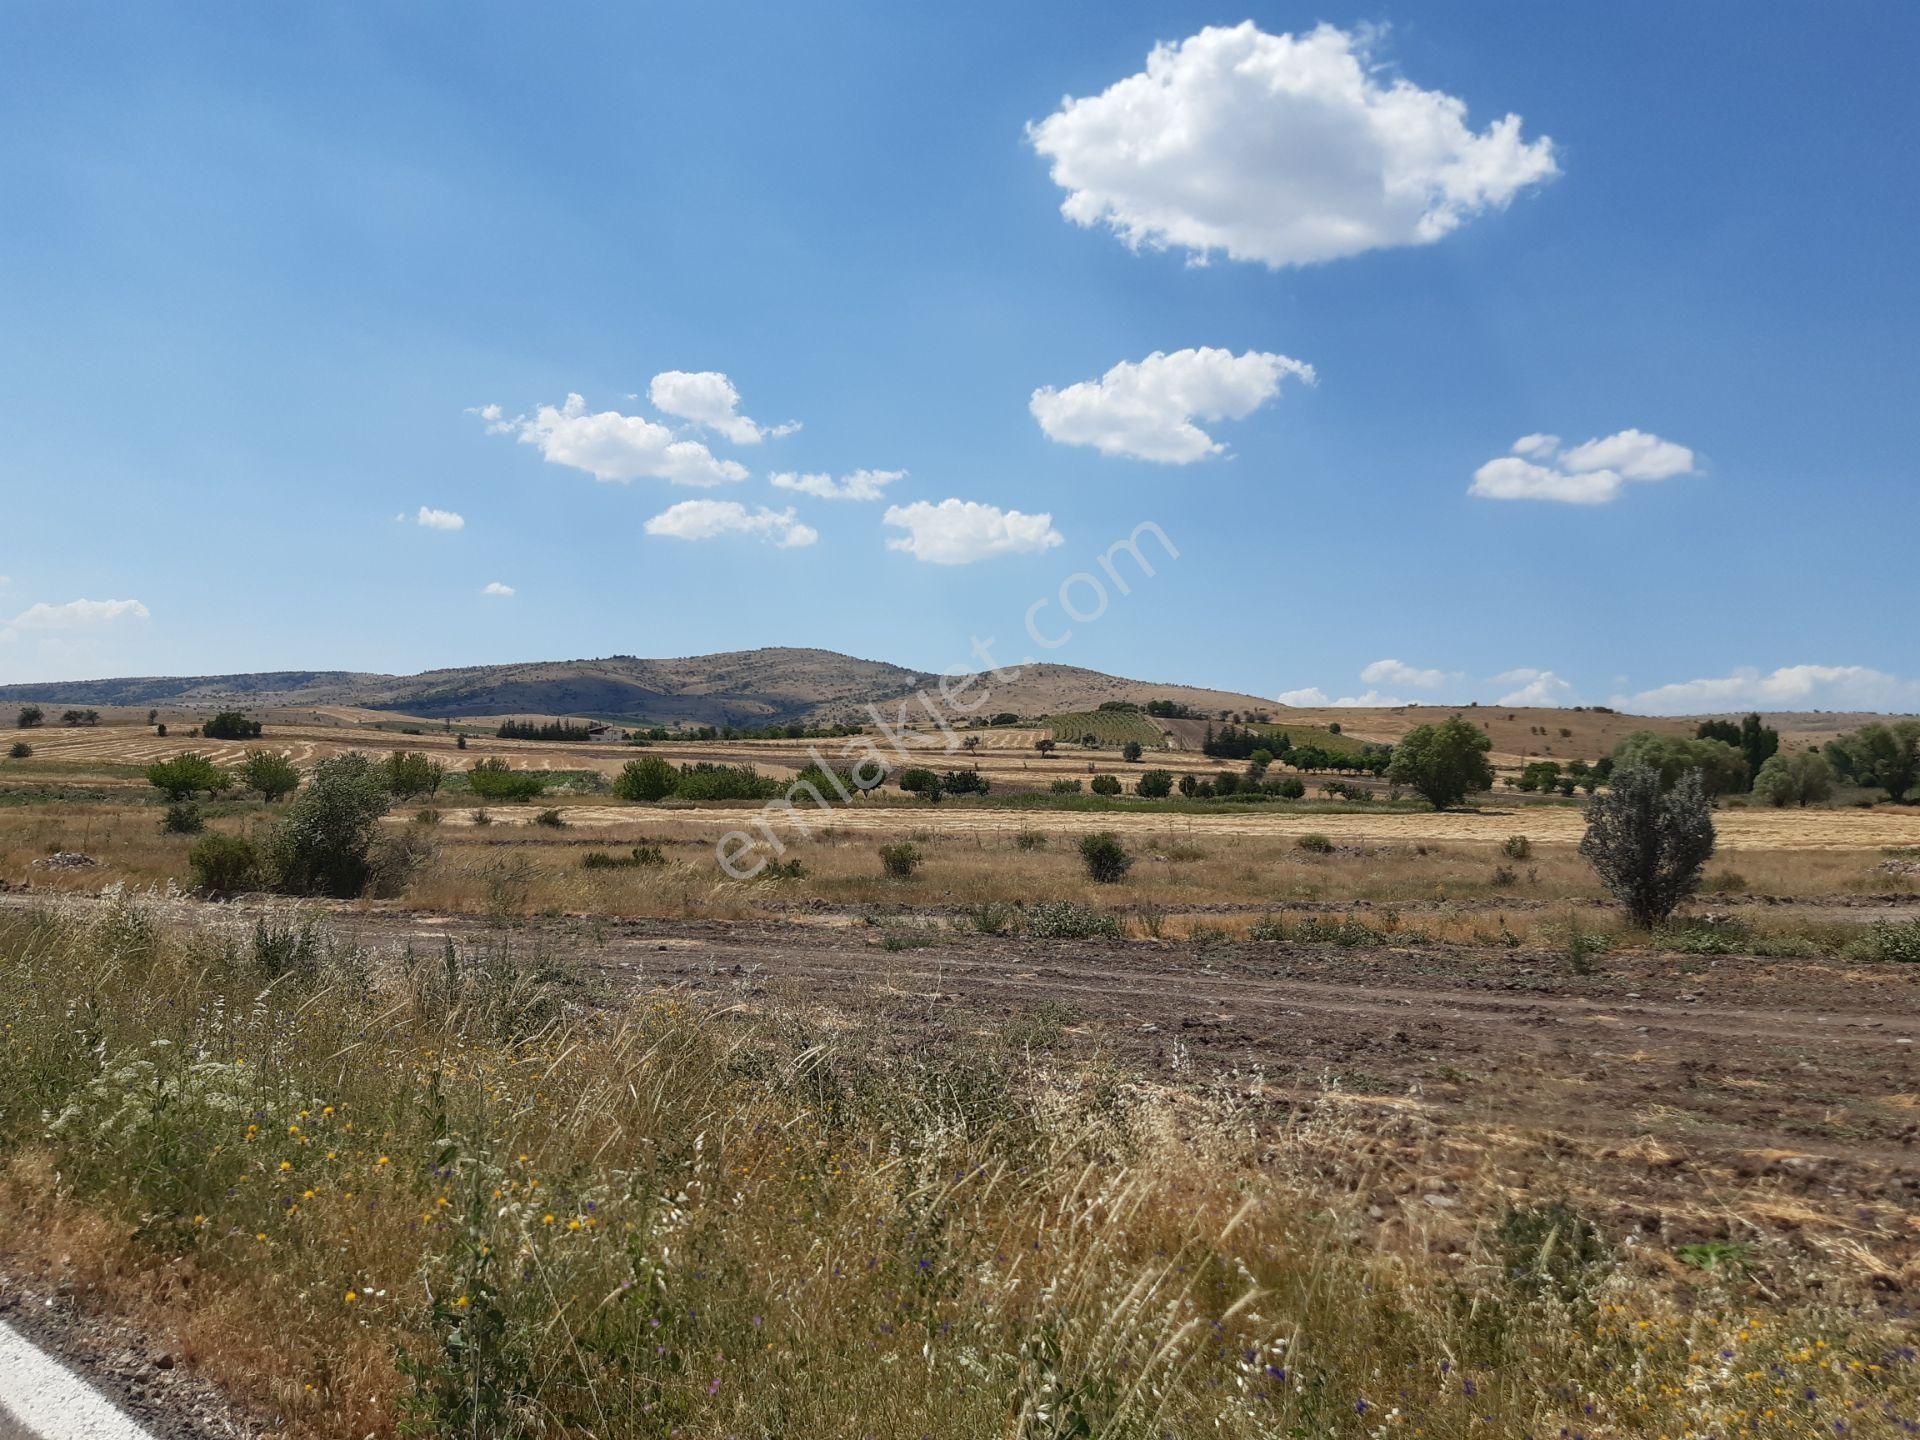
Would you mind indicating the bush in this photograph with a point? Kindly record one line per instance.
(323, 844)
(964, 782)
(1064, 920)
(1105, 785)
(222, 864)
(408, 773)
(1804, 778)
(393, 859)
(29, 717)
(231, 725)
(1897, 942)
(20, 750)
(552, 819)
(1314, 844)
(1649, 843)
(1105, 857)
(707, 781)
(900, 861)
(270, 772)
(183, 817)
(181, 776)
(642, 856)
(494, 779)
(1064, 787)
(922, 782)
(1290, 788)
(1154, 784)
(645, 780)
(1444, 762)
(1130, 752)
(1516, 847)
(1026, 839)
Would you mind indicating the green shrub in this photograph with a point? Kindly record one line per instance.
(181, 776)
(1105, 857)
(1649, 842)
(494, 779)
(641, 857)
(231, 725)
(646, 779)
(1029, 839)
(183, 817)
(707, 781)
(322, 847)
(1064, 787)
(1314, 844)
(222, 864)
(1895, 941)
(20, 750)
(1105, 785)
(900, 861)
(1292, 787)
(29, 717)
(1516, 847)
(1154, 784)
(1064, 920)
(409, 773)
(552, 819)
(1553, 1249)
(270, 772)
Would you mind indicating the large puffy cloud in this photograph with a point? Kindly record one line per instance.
(860, 485)
(959, 532)
(1532, 687)
(1282, 149)
(1791, 687)
(1397, 672)
(1589, 474)
(77, 615)
(611, 446)
(1145, 409)
(707, 398)
(710, 519)
(1314, 698)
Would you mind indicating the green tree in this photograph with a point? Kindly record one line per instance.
(645, 780)
(1721, 766)
(323, 844)
(1882, 755)
(1802, 778)
(1105, 785)
(494, 779)
(1130, 752)
(270, 772)
(1154, 784)
(181, 776)
(1649, 841)
(1105, 857)
(1045, 747)
(231, 725)
(30, 717)
(1444, 762)
(409, 772)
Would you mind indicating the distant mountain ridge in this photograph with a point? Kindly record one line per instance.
(776, 685)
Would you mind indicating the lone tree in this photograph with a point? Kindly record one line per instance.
(321, 848)
(1444, 762)
(271, 773)
(1045, 747)
(1130, 752)
(1649, 842)
(30, 717)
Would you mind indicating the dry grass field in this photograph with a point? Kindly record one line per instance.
(1322, 1050)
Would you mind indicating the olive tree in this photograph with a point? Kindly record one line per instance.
(1648, 842)
(1444, 762)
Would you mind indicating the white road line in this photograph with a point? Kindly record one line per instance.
(45, 1399)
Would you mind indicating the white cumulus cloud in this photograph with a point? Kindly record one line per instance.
(1145, 409)
(1541, 688)
(495, 588)
(1589, 474)
(1313, 697)
(707, 399)
(860, 485)
(611, 446)
(439, 519)
(959, 532)
(1791, 687)
(1283, 149)
(710, 519)
(1397, 672)
(1308, 698)
(77, 615)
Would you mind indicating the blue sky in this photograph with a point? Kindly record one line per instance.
(261, 269)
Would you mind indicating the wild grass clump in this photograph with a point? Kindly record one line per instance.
(639, 858)
(1064, 920)
(900, 861)
(434, 1197)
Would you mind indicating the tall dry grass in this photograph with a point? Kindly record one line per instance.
(437, 1193)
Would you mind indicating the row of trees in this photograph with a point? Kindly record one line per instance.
(32, 717)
